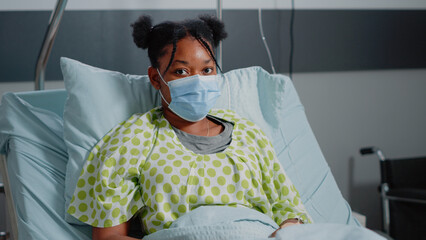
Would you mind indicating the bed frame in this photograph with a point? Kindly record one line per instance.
(9, 201)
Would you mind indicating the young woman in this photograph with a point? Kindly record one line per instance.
(184, 154)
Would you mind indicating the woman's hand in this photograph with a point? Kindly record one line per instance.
(118, 232)
(286, 223)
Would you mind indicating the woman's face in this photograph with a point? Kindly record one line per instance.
(191, 58)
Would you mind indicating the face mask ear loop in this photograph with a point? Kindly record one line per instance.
(160, 90)
(161, 77)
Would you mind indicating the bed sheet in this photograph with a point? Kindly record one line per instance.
(36, 157)
(215, 223)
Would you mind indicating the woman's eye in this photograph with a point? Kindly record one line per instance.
(208, 70)
(181, 72)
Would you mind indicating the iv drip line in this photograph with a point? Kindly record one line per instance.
(264, 41)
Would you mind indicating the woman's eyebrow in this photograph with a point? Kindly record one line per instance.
(181, 61)
(187, 63)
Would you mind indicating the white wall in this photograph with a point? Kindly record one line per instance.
(13, 5)
(350, 110)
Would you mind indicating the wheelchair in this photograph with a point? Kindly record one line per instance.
(403, 195)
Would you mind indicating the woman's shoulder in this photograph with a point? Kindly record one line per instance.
(138, 119)
(139, 125)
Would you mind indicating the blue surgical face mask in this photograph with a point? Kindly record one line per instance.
(192, 97)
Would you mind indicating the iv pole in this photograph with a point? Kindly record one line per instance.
(219, 49)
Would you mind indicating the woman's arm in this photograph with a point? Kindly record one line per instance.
(108, 192)
(118, 232)
(286, 223)
(284, 199)
(283, 196)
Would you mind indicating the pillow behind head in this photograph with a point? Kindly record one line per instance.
(97, 100)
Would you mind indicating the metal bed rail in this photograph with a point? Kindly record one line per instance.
(9, 199)
(49, 39)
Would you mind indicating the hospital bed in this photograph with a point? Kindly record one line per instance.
(45, 137)
(42, 133)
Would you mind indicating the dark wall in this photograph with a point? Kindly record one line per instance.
(325, 40)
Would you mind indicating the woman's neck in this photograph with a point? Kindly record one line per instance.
(204, 127)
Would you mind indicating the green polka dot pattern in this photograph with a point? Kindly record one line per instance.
(141, 164)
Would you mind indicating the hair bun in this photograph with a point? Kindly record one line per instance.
(216, 26)
(141, 30)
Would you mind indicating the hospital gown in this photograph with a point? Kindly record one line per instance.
(140, 166)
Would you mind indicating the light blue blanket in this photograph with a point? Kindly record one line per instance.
(219, 222)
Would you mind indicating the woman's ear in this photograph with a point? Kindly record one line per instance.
(154, 77)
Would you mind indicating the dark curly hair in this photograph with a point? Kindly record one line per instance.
(206, 29)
